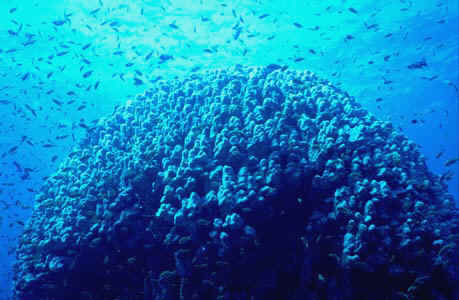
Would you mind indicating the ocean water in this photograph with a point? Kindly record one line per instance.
(100, 126)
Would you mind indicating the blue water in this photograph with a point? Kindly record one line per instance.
(64, 64)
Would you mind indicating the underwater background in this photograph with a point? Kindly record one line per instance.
(66, 64)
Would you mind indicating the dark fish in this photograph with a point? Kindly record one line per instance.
(11, 32)
(379, 99)
(48, 145)
(62, 53)
(386, 58)
(129, 64)
(194, 69)
(298, 25)
(87, 74)
(119, 52)
(26, 75)
(137, 81)
(164, 57)
(352, 10)
(312, 51)
(451, 162)
(61, 137)
(12, 10)
(81, 107)
(430, 78)
(263, 16)
(5, 102)
(349, 37)
(12, 149)
(173, 26)
(86, 46)
(414, 121)
(204, 19)
(94, 11)
(86, 61)
(28, 43)
(298, 59)
(418, 65)
(18, 167)
(49, 92)
(57, 102)
(31, 110)
(20, 222)
(208, 51)
(114, 24)
(11, 50)
(148, 56)
(59, 22)
(54, 158)
(439, 154)
(371, 26)
(96, 85)
(71, 93)
(138, 72)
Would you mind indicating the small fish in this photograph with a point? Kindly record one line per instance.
(31, 110)
(298, 59)
(312, 51)
(448, 175)
(164, 57)
(81, 107)
(86, 61)
(148, 56)
(71, 93)
(263, 16)
(353, 10)
(439, 154)
(114, 24)
(173, 25)
(379, 99)
(414, 121)
(138, 72)
(26, 75)
(57, 102)
(92, 12)
(12, 10)
(298, 25)
(208, 50)
(61, 137)
(59, 22)
(129, 65)
(119, 52)
(96, 85)
(386, 58)
(13, 149)
(28, 43)
(418, 65)
(86, 46)
(451, 162)
(62, 53)
(48, 145)
(349, 37)
(18, 167)
(20, 222)
(87, 74)
(49, 75)
(54, 158)
(137, 81)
